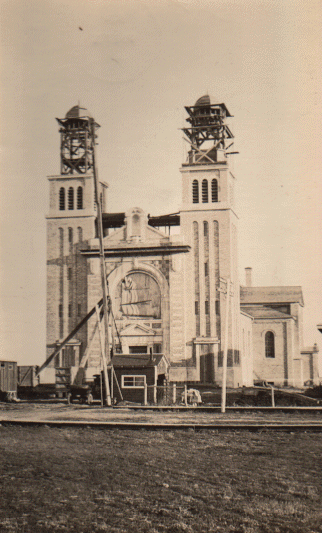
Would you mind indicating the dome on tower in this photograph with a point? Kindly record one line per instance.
(78, 112)
(206, 100)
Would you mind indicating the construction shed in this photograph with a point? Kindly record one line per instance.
(138, 375)
(8, 380)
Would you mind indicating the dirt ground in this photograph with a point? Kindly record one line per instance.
(86, 480)
(60, 411)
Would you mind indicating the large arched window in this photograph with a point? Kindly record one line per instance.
(269, 344)
(204, 191)
(139, 296)
(62, 199)
(71, 198)
(195, 192)
(214, 190)
(79, 197)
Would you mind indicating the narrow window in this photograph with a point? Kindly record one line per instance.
(204, 191)
(214, 190)
(206, 307)
(62, 199)
(79, 309)
(206, 270)
(195, 192)
(269, 344)
(69, 276)
(136, 226)
(80, 234)
(205, 229)
(71, 198)
(80, 198)
(69, 310)
(70, 239)
(196, 308)
(60, 311)
(61, 241)
(217, 305)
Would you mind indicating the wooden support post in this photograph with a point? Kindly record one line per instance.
(145, 401)
(185, 395)
(107, 387)
(106, 302)
(101, 388)
(174, 393)
(273, 397)
(225, 352)
(117, 383)
(155, 394)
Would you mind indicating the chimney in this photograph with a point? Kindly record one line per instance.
(248, 271)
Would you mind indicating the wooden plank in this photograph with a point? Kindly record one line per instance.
(70, 336)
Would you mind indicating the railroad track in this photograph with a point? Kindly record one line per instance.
(223, 425)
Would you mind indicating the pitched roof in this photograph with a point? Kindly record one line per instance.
(136, 360)
(270, 295)
(265, 312)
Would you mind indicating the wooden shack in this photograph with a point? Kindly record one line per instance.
(8, 380)
(136, 372)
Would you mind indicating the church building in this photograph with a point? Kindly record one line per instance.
(172, 294)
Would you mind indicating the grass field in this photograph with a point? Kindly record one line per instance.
(88, 481)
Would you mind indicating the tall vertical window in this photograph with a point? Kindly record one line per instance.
(80, 234)
(70, 239)
(195, 192)
(214, 190)
(71, 198)
(204, 191)
(269, 344)
(79, 197)
(62, 199)
(136, 225)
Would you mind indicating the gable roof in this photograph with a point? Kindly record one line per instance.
(136, 329)
(271, 295)
(137, 360)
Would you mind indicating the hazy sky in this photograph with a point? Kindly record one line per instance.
(135, 65)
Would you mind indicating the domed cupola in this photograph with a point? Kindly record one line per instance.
(77, 141)
(207, 131)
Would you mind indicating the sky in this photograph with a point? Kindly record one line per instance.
(135, 65)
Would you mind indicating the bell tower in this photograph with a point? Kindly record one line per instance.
(209, 223)
(71, 222)
(77, 140)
